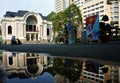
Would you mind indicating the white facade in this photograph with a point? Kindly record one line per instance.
(115, 13)
(94, 7)
(25, 25)
(78, 2)
(101, 7)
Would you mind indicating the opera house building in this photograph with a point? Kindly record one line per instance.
(26, 25)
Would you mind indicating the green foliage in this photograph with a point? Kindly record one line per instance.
(58, 21)
(72, 13)
(0, 39)
(50, 16)
(68, 68)
(105, 18)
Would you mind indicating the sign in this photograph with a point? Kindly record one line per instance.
(92, 28)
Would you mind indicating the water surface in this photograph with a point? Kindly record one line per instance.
(23, 67)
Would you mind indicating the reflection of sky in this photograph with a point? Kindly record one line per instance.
(45, 78)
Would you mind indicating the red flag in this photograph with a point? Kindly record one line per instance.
(92, 27)
(90, 21)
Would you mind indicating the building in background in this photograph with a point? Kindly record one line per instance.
(115, 13)
(26, 25)
(61, 5)
(93, 7)
(78, 2)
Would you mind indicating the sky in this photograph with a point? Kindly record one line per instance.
(44, 7)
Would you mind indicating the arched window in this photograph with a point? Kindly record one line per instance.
(47, 32)
(10, 60)
(9, 30)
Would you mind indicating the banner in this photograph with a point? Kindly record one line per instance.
(92, 28)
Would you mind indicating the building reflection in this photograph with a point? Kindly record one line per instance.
(93, 72)
(63, 69)
(23, 65)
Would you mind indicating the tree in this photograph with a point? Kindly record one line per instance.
(105, 30)
(50, 16)
(59, 20)
(105, 18)
(74, 15)
(68, 68)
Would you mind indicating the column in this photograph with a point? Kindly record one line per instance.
(30, 36)
(24, 30)
(16, 29)
(32, 27)
(3, 30)
(40, 30)
(35, 37)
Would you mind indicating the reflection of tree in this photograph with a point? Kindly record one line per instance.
(2, 76)
(50, 70)
(68, 68)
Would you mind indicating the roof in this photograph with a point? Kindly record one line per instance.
(20, 13)
(43, 17)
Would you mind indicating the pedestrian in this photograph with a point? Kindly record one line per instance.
(18, 42)
(13, 40)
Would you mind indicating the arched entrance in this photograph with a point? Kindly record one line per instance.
(31, 28)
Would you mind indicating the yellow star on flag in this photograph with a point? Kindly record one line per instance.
(91, 20)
